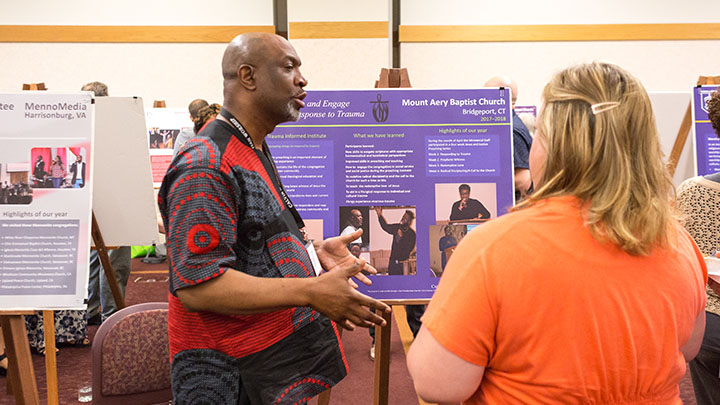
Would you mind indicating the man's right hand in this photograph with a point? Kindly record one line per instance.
(333, 295)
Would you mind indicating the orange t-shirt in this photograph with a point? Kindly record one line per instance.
(557, 317)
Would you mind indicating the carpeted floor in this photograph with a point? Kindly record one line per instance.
(148, 283)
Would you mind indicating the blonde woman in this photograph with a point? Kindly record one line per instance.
(590, 291)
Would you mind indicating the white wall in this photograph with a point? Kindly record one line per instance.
(176, 73)
(660, 65)
(485, 12)
(136, 12)
(340, 63)
(337, 10)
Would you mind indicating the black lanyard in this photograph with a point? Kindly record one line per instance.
(238, 126)
(249, 142)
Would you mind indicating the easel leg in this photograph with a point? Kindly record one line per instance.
(324, 397)
(21, 375)
(107, 267)
(382, 360)
(50, 357)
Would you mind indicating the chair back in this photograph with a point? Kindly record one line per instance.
(131, 356)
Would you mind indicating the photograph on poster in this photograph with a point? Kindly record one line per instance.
(393, 242)
(14, 185)
(58, 167)
(465, 202)
(353, 218)
(162, 138)
(443, 241)
(356, 250)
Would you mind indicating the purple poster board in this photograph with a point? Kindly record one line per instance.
(707, 144)
(403, 151)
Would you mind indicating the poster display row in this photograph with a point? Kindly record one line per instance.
(415, 169)
(45, 199)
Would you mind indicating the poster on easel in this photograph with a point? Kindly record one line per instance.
(707, 144)
(164, 126)
(45, 199)
(410, 167)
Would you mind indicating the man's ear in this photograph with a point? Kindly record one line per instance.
(246, 76)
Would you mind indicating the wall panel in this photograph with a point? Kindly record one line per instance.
(660, 65)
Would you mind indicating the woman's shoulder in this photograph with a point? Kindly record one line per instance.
(536, 218)
(697, 189)
(699, 182)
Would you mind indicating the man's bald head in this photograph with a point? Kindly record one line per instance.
(195, 106)
(248, 49)
(504, 81)
(261, 78)
(355, 218)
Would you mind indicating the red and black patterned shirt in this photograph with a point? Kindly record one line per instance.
(221, 207)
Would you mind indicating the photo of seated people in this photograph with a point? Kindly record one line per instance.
(14, 186)
(465, 202)
(58, 167)
(393, 242)
(162, 138)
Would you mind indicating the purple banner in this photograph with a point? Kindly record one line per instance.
(392, 162)
(707, 144)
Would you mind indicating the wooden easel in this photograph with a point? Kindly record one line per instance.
(102, 251)
(686, 125)
(34, 86)
(393, 78)
(20, 374)
(21, 380)
(389, 78)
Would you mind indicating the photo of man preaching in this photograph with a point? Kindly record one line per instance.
(403, 242)
(468, 208)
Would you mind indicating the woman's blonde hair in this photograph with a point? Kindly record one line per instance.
(602, 146)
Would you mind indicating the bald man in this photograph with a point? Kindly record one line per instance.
(249, 321)
(522, 141)
(354, 222)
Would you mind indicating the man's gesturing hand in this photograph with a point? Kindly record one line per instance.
(332, 295)
(333, 253)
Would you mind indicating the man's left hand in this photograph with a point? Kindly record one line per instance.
(333, 252)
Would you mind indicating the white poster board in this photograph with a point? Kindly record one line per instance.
(123, 198)
(163, 127)
(45, 199)
(669, 109)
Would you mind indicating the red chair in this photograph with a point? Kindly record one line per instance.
(131, 358)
